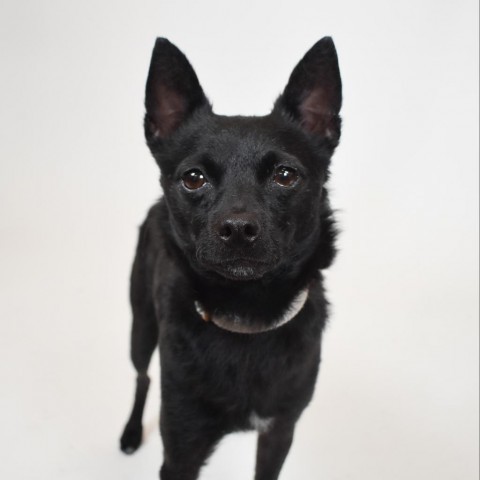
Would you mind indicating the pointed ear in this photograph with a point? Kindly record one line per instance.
(172, 92)
(313, 95)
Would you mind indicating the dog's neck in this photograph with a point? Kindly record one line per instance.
(236, 324)
(255, 306)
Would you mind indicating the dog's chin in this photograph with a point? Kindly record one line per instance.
(240, 270)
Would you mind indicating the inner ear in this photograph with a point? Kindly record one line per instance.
(315, 113)
(166, 113)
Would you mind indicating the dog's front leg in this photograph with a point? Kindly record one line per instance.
(272, 449)
(189, 437)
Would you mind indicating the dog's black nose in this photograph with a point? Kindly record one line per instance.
(240, 228)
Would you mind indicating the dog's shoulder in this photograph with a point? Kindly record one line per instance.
(151, 237)
(151, 247)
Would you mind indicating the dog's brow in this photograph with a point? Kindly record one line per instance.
(206, 162)
(212, 167)
(275, 156)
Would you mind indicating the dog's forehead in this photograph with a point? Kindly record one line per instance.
(242, 140)
(239, 138)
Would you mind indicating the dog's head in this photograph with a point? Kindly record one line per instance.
(245, 195)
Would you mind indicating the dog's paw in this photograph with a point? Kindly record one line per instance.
(131, 438)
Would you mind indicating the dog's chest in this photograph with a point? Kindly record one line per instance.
(260, 424)
(252, 379)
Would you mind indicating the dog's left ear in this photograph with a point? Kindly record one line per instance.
(313, 95)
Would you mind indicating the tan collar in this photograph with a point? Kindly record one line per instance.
(235, 324)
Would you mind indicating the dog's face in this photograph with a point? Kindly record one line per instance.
(244, 194)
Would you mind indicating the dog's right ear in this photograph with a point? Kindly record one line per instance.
(173, 91)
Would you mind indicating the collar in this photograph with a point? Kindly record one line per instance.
(234, 323)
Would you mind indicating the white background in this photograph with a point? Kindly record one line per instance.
(398, 391)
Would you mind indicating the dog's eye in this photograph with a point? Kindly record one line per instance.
(285, 176)
(193, 179)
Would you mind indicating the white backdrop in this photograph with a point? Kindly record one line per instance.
(398, 391)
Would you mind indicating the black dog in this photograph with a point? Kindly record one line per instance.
(227, 277)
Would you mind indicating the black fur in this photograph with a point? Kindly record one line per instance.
(242, 245)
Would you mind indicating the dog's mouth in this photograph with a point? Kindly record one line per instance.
(240, 269)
